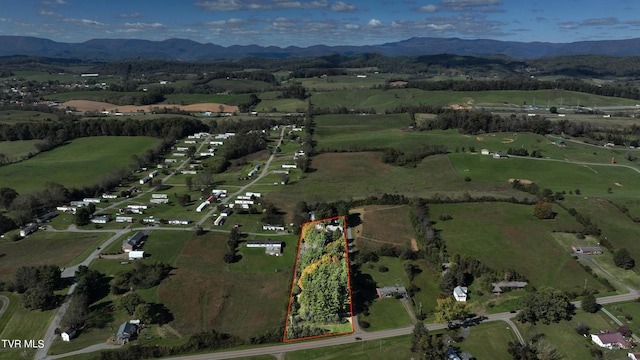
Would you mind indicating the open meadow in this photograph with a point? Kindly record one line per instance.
(11, 151)
(389, 99)
(247, 298)
(507, 236)
(81, 162)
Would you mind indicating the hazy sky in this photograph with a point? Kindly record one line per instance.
(304, 23)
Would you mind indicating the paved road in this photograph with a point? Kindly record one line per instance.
(5, 304)
(588, 259)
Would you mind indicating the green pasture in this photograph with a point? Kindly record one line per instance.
(591, 180)
(43, 76)
(15, 150)
(79, 163)
(62, 249)
(381, 100)
(361, 174)
(488, 341)
(20, 116)
(203, 292)
(618, 229)
(507, 236)
(391, 348)
(281, 105)
(569, 343)
(341, 82)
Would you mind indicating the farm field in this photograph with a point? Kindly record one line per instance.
(591, 180)
(81, 162)
(363, 174)
(16, 150)
(53, 248)
(508, 236)
(205, 293)
(389, 99)
(342, 82)
(384, 225)
(19, 116)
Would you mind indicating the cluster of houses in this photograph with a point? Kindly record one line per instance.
(148, 178)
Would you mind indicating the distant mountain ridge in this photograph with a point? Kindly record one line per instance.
(188, 50)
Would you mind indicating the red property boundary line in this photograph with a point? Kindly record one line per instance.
(293, 281)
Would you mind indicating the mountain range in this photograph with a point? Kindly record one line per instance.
(188, 50)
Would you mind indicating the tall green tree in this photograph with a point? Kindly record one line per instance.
(589, 303)
(547, 305)
(622, 258)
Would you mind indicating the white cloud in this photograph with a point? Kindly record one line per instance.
(340, 6)
(238, 5)
(54, 3)
(145, 26)
(352, 26)
(374, 22)
(428, 8)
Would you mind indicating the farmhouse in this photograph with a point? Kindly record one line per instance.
(271, 247)
(133, 242)
(390, 291)
(273, 227)
(610, 340)
(634, 355)
(590, 250)
(460, 293)
(100, 219)
(28, 229)
(126, 332)
(68, 334)
(497, 286)
(176, 221)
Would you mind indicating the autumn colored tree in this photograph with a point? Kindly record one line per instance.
(543, 210)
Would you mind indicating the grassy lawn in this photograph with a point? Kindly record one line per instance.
(20, 323)
(16, 150)
(569, 343)
(52, 248)
(620, 310)
(392, 348)
(503, 236)
(488, 341)
(386, 314)
(81, 162)
(383, 225)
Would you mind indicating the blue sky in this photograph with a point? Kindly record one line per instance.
(305, 23)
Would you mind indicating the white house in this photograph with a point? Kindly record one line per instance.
(145, 180)
(68, 334)
(254, 194)
(289, 166)
(202, 206)
(159, 201)
(460, 293)
(109, 196)
(92, 200)
(610, 340)
(634, 355)
(484, 151)
(271, 247)
(123, 219)
(134, 206)
(160, 196)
